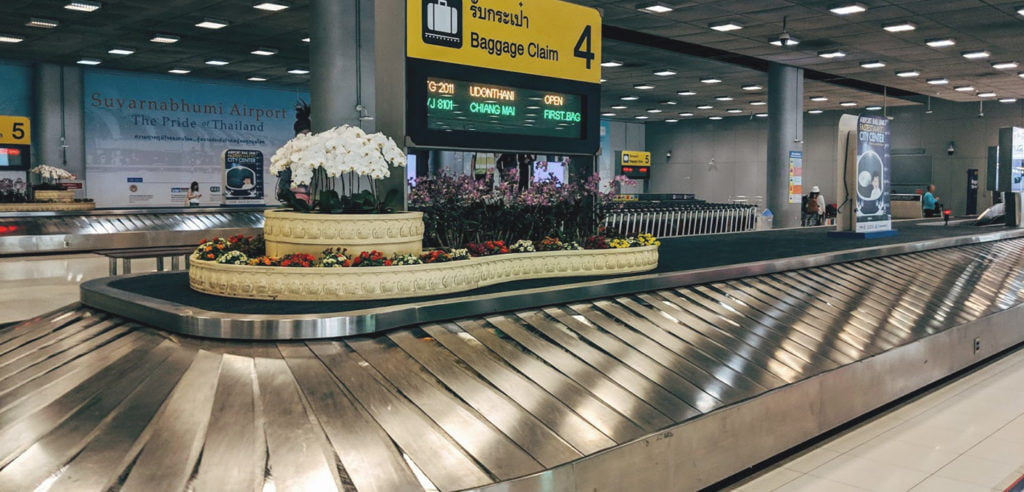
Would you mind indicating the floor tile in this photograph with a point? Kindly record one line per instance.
(869, 474)
(998, 449)
(810, 459)
(986, 473)
(810, 483)
(769, 480)
(943, 484)
(910, 455)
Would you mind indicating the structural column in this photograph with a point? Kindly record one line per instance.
(341, 36)
(785, 134)
(58, 137)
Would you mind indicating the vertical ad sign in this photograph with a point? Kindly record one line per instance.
(873, 174)
(1017, 161)
(796, 176)
(243, 177)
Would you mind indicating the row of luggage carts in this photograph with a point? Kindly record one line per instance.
(680, 218)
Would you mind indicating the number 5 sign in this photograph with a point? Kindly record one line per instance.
(14, 130)
(549, 38)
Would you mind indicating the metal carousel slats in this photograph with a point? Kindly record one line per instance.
(90, 401)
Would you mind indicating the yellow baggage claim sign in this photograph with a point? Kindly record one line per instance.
(549, 38)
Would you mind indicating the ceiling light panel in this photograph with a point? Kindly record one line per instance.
(976, 55)
(849, 8)
(665, 72)
(83, 6)
(725, 26)
(10, 38)
(941, 43)
(271, 6)
(832, 54)
(121, 51)
(42, 23)
(164, 38)
(654, 7)
(264, 51)
(89, 61)
(873, 64)
(900, 27)
(211, 23)
(1005, 65)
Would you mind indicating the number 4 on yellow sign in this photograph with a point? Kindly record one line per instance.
(15, 130)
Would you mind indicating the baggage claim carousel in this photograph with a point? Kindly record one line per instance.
(737, 348)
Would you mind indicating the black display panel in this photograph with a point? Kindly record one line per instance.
(14, 157)
(500, 111)
(458, 105)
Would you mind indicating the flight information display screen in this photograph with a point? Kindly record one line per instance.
(13, 157)
(457, 105)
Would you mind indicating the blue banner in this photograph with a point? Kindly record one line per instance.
(171, 131)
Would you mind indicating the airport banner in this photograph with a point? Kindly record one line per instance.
(873, 175)
(148, 137)
(796, 176)
(549, 38)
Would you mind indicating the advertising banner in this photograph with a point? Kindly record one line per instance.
(550, 38)
(796, 176)
(873, 175)
(148, 137)
(243, 177)
(1011, 160)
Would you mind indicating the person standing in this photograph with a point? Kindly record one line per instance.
(193, 195)
(930, 202)
(814, 208)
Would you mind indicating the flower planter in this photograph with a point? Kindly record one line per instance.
(289, 232)
(368, 283)
(62, 196)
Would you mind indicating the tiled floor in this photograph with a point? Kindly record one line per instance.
(30, 286)
(967, 435)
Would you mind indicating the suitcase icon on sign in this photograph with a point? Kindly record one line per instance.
(442, 22)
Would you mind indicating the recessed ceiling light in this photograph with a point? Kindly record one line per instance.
(1005, 65)
(217, 63)
(847, 9)
(726, 26)
(653, 110)
(89, 61)
(873, 108)
(964, 88)
(603, 81)
(819, 98)
(179, 71)
(1020, 10)
(908, 73)
(1008, 100)
(938, 81)
(705, 106)
(940, 43)
(757, 103)
(608, 114)
(209, 23)
(642, 117)
(687, 93)
(305, 40)
(672, 121)
(629, 98)
(832, 54)
(900, 27)
(42, 23)
(815, 111)
(654, 7)
(752, 87)
(83, 6)
(121, 51)
(298, 71)
(761, 115)
(256, 79)
(734, 111)
(619, 107)
(686, 115)
(847, 104)
(986, 94)
(261, 51)
(665, 73)
(711, 80)
(716, 118)
(643, 87)
(723, 98)
(8, 38)
(872, 64)
(271, 6)
(669, 103)
(790, 41)
(611, 64)
(974, 55)
(164, 38)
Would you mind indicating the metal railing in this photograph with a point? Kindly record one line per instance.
(674, 219)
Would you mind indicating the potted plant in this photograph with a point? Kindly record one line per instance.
(340, 167)
(49, 188)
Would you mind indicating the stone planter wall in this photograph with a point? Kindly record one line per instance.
(288, 232)
(366, 283)
(46, 206)
(63, 196)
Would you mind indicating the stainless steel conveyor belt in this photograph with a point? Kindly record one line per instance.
(48, 232)
(89, 401)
